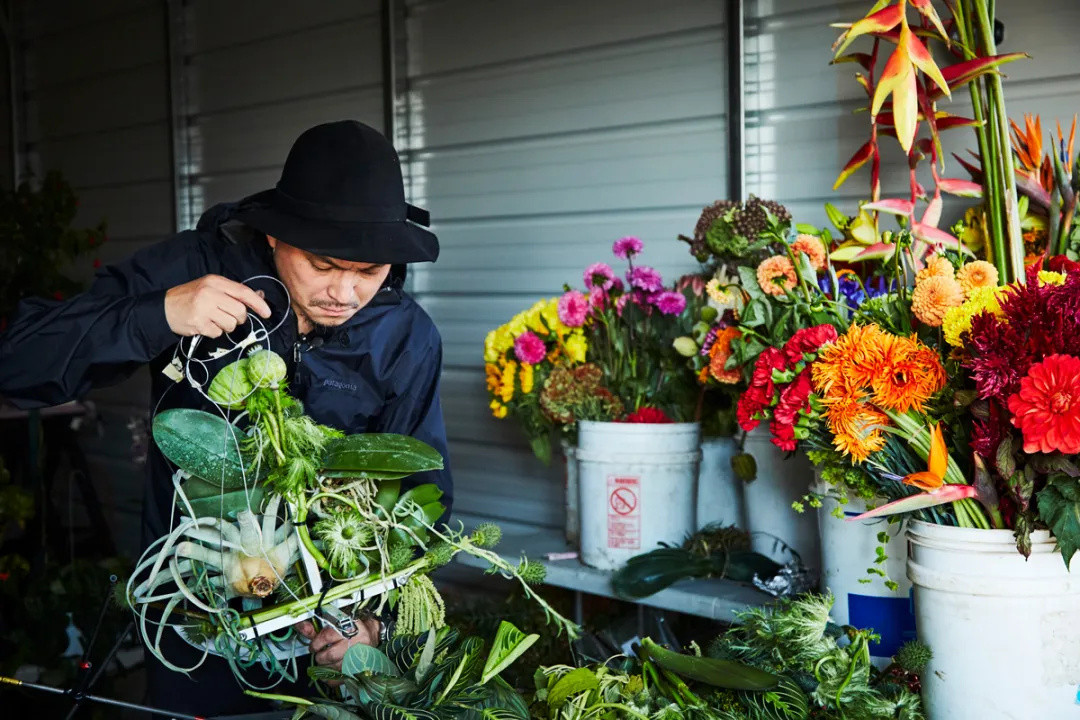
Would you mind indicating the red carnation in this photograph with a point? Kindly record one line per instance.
(808, 340)
(648, 415)
(794, 398)
(783, 436)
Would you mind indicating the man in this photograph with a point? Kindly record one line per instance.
(364, 357)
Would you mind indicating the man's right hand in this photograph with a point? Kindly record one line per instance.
(210, 306)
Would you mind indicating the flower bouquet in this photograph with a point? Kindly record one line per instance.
(283, 519)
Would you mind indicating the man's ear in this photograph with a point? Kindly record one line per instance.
(272, 242)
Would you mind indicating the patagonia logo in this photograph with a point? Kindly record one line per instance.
(327, 382)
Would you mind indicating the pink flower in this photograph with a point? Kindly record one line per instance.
(599, 275)
(621, 303)
(627, 247)
(671, 303)
(617, 286)
(598, 298)
(573, 307)
(645, 278)
(529, 348)
(695, 282)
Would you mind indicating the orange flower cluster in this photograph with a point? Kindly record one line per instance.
(867, 372)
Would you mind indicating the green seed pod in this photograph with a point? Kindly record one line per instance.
(231, 385)
(700, 330)
(913, 656)
(487, 535)
(685, 346)
(439, 554)
(709, 313)
(266, 368)
(532, 572)
(745, 467)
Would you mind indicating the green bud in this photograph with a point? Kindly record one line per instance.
(700, 330)
(532, 573)
(913, 656)
(487, 535)
(266, 368)
(685, 346)
(439, 554)
(231, 385)
(709, 313)
(745, 467)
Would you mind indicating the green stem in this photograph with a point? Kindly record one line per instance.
(304, 534)
(281, 421)
(272, 433)
(280, 698)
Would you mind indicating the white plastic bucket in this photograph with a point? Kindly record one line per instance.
(638, 484)
(572, 526)
(780, 482)
(1004, 630)
(848, 549)
(720, 493)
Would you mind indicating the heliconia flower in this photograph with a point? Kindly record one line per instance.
(776, 275)
(920, 501)
(694, 281)
(645, 278)
(670, 302)
(934, 476)
(529, 348)
(573, 308)
(599, 275)
(627, 247)
(1047, 407)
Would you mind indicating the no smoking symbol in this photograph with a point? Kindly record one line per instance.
(623, 501)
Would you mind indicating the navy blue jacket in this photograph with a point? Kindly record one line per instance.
(377, 372)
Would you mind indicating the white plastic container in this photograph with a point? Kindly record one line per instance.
(638, 485)
(848, 549)
(572, 526)
(720, 493)
(1004, 630)
(780, 482)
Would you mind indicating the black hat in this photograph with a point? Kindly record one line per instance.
(341, 195)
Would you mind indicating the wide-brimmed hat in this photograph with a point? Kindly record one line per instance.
(341, 195)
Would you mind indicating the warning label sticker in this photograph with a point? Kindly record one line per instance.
(624, 512)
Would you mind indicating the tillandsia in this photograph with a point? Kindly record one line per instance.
(283, 515)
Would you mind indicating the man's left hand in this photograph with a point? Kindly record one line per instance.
(328, 646)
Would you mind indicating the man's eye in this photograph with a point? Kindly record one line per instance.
(322, 268)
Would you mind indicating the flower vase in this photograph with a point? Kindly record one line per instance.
(720, 492)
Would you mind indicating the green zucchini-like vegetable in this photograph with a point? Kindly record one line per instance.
(726, 674)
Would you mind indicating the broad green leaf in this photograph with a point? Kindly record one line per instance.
(806, 228)
(846, 252)
(386, 454)
(507, 647)
(718, 673)
(421, 495)
(330, 712)
(748, 282)
(362, 658)
(571, 684)
(207, 500)
(202, 445)
(1059, 508)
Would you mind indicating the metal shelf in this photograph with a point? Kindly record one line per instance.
(715, 599)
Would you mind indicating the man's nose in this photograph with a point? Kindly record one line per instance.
(342, 290)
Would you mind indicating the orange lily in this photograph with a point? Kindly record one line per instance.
(934, 476)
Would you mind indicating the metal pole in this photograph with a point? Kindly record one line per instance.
(389, 68)
(736, 108)
(97, 699)
(175, 43)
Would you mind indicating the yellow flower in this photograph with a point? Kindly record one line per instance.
(550, 312)
(490, 353)
(498, 409)
(576, 347)
(526, 378)
(977, 274)
(497, 342)
(1047, 277)
(535, 320)
(517, 325)
(936, 266)
(933, 297)
(506, 388)
(958, 319)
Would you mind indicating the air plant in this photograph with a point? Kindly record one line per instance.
(905, 95)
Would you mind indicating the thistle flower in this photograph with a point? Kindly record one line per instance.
(345, 534)
(531, 572)
(439, 554)
(913, 656)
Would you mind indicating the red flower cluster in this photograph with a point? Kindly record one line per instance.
(787, 400)
(648, 415)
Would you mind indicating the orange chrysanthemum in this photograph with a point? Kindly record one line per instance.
(977, 274)
(936, 266)
(910, 375)
(848, 365)
(776, 275)
(933, 297)
(812, 248)
(857, 428)
(719, 354)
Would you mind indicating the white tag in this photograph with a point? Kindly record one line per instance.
(174, 370)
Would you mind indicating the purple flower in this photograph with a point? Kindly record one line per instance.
(599, 275)
(645, 278)
(627, 247)
(573, 307)
(529, 348)
(670, 302)
(617, 286)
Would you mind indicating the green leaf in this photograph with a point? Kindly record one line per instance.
(807, 229)
(362, 658)
(207, 500)
(1004, 460)
(1059, 508)
(749, 283)
(202, 445)
(726, 674)
(330, 712)
(376, 455)
(508, 646)
(573, 683)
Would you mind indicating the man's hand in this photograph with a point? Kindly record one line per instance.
(328, 646)
(210, 306)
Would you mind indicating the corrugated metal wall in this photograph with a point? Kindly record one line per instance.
(539, 133)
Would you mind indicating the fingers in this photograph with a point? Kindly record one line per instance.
(247, 296)
(332, 655)
(306, 628)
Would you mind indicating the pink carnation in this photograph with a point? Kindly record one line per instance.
(645, 278)
(627, 247)
(529, 348)
(573, 307)
(598, 298)
(621, 303)
(599, 275)
(670, 303)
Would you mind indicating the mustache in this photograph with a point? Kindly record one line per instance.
(332, 305)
